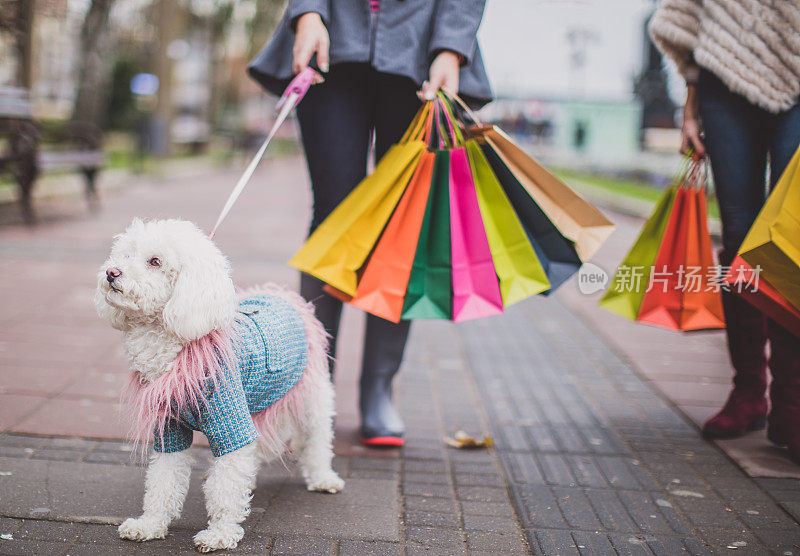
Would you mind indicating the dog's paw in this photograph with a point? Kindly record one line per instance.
(330, 482)
(218, 538)
(141, 529)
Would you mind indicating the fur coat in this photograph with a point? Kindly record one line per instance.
(753, 46)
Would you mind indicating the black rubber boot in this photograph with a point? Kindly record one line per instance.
(328, 310)
(385, 341)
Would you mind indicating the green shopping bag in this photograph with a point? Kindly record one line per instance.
(518, 268)
(429, 294)
(627, 289)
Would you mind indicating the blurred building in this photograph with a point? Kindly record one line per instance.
(596, 129)
(578, 79)
(52, 72)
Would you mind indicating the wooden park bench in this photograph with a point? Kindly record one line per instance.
(30, 152)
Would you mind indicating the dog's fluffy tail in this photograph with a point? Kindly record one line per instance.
(272, 420)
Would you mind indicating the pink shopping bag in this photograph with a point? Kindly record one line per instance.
(476, 291)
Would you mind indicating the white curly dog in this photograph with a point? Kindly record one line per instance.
(249, 370)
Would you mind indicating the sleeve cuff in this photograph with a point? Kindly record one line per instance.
(464, 47)
(301, 7)
(218, 451)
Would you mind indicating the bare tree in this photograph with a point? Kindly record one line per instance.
(92, 64)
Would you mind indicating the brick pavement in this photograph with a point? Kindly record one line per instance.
(588, 458)
(691, 369)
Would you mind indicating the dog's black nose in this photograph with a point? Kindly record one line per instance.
(112, 274)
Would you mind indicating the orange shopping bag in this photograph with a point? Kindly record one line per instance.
(383, 283)
(702, 303)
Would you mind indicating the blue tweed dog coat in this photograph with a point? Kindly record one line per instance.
(271, 349)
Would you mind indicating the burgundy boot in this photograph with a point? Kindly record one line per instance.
(784, 392)
(746, 407)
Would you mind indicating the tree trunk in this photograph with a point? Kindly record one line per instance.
(267, 16)
(16, 19)
(92, 65)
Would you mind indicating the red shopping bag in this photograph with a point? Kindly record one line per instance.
(743, 280)
(662, 303)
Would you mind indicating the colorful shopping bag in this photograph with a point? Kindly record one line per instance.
(447, 233)
(701, 302)
(429, 294)
(743, 280)
(627, 288)
(661, 304)
(556, 253)
(476, 292)
(773, 242)
(519, 271)
(382, 286)
(341, 244)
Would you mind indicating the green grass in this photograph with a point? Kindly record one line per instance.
(623, 187)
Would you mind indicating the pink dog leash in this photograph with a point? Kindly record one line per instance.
(292, 96)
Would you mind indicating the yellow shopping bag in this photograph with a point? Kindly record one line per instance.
(518, 268)
(773, 243)
(341, 244)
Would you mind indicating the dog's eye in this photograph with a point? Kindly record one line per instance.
(155, 261)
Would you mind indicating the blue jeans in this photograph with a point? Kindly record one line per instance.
(740, 137)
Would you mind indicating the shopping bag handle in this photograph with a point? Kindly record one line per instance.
(416, 130)
(450, 118)
(442, 120)
(693, 172)
(455, 99)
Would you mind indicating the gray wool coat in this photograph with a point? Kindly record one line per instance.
(401, 39)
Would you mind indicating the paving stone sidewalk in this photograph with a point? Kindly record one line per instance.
(588, 458)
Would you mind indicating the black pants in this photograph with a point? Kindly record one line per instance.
(337, 121)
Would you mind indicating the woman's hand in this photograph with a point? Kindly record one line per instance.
(311, 37)
(444, 74)
(690, 130)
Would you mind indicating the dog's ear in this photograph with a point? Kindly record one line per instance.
(203, 298)
(115, 317)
